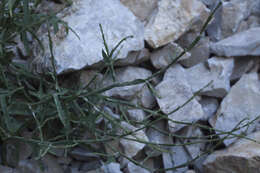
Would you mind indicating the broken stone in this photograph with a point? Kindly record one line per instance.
(87, 76)
(239, 158)
(71, 53)
(82, 154)
(241, 66)
(134, 58)
(164, 56)
(111, 168)
(125, 75)
(137, 115)
(174, 91)
(218, 71)
(240, 103)
(4, 169)
(209, 106)
(141, 8)
(132, 147)
(132, 168)
(171, 20)
(240, 44)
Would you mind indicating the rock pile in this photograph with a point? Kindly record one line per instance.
(206, 134)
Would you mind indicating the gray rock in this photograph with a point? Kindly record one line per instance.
(134, 58)
(240, 103)
(174, 91)
(164, 56)
(4, 169)
(199, 53)
(111, 168)
(171, 20)
(125, 75)
(219, 71)
(132, 168)
(241, 157)
(82, 154)
(93, 76)
(209, 106)
(141, 8)
(241, 66)
(240, 44)
(72, 53)
(132, 147)
(137, 115)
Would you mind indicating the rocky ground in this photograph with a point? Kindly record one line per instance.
(215, 132)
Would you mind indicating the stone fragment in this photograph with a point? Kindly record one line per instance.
(111, 168)
(137, 115)
(241, 66)
(71, 53)
(5, 169)
(241, 103)
(134, 58)
(127, 74)
(174, 91)
(241, 44)
(164, 56)
(199, 53)
(209, 106)
(82, 154)
(141, 8)
(132, 147)
(93, 76)
(218, 71)
(241, 157)
(145, 98)
(171, 20)
(190, 171)
(132, 168)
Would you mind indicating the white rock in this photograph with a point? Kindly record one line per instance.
(131, 147)
(134, 58)
(240, 103)
(209, 106)
(240, 44)
(132, 168)
(174, 91)
(171, 20)
(219, 71)
(141, 8)
(117, 21)
(164, 56)
(125, 75)
(111, 168)
(136, 114)
(239, 158)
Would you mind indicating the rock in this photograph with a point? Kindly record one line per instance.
(164, 56)
(92, 76)
(72, 53)
(131, 147)
(132, 168)
(141, 8)
(145, 98)
(241, 44)
(241, 66)
(137, 115)
(174, 91)
(82, 154)
(209, 106)
(91, 165)
(134, 58)
(190, 171)
(219, 71)
(171, 20)
(199, 53)
(4, 169)
(125, 75)
(240, 103)
(239, 158)
(111, 168)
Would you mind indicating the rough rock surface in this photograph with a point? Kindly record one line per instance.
(241, 157)
(132, 168)
(240, 103)
(240, 44)
(117, 21)
(171, 20)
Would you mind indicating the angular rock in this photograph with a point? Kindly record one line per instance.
(82, 154)
(171, 20)
(240, 44)
(132, 168)
(72, 53)
(174, 91)
(125, 75)
(111, 168)
(4, 169)
(137, 115)
(199, 53)
(145, 98)
(241, 157)
(134, 58)
(93, 76)
(164, 56)
(209, 106)
(240, 103)
(131, 147)
(241, 66)
(141, 8)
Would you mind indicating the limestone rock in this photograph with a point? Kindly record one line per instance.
(141, 8)
(131, 147)
(134, 58)
(241, 157)
(72, 53)
(93, 76)
(174, 91)
(240, 44)
(219, 71)
(241, 66)
(209, 106)
(164, 56)
(240, 103)
(171, 20)
(132, 168)
(125, 75)
(137, 115)
(111, 168)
